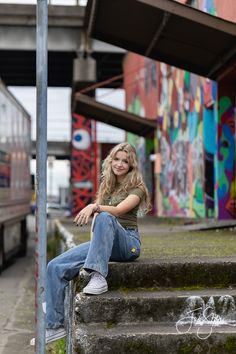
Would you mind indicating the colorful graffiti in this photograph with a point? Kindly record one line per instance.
(81, 163)
(208, 6)
(195, 141)
(185, 108)
(226, 159)
(210, 146)
(140, 83)
(181, 144)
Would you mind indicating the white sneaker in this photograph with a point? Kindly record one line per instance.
(52, 335)
(97, 284)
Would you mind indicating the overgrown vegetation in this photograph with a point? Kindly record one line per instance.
(58, 347)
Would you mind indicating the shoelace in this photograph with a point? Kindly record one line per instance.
(97, 275)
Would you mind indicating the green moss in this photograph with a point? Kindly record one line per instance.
(110, 324)
(168, 244)
(230, 344)
(137, 347)
(186, 349)
(57, 347)
(125, 291)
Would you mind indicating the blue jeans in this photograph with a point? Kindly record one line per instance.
(110, 242)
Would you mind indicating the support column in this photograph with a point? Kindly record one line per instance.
(83, 147)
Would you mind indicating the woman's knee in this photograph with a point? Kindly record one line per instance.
(104, 219)
(104, 216)
(103, 222)
(53, 266)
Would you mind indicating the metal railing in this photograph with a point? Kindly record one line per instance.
(41, 172)
(67, 242)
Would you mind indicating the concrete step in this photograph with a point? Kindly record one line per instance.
(116, 307)
(154, 338)
(175, 273)
(142, 311)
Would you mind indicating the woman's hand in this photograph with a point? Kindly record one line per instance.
(83, 216)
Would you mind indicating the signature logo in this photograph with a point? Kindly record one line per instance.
(205, 316)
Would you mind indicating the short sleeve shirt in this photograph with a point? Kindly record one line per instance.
(128, 219)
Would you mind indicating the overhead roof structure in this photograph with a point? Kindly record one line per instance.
(133, 123)
(65, 35)
(167, 31)
(59, 149)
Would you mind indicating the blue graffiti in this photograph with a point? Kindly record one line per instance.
(192, 125)
(209, 131)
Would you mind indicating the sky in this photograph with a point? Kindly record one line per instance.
(59, 125)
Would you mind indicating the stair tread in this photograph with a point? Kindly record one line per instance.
(177, 260)
(133, 329)
(131, 294)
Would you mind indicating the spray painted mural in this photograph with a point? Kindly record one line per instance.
(226, 159)
(185, 108)
(140, 83)
(224, 191)
(187, 159)
(195, 142)
(81, 163)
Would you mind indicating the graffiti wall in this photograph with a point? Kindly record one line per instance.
(195, 142)
(226, 158)
(140, 83)
(81, 163)
(186, 109)
(184, 106)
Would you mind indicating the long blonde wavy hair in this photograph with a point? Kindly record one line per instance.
(133, 179)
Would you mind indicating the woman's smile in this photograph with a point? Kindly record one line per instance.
(120, 165)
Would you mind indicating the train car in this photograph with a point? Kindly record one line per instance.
(15, 178)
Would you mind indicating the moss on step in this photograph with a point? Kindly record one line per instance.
(57, 347)
(110, 324)
(166, 244)
(126, 291)
(230, 344)
(191, 244)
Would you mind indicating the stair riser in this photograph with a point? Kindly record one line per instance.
(156, 344)
(135, 274)
(117, 310)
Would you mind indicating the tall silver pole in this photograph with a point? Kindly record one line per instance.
(41, 172)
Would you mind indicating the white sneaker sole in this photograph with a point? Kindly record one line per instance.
(52, 338)
(94, 291)
(56, 336)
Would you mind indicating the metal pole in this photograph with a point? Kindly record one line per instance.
(41, 173)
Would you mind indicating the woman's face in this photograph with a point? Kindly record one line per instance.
(120, 165)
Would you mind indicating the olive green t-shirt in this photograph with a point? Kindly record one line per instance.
(130, 218)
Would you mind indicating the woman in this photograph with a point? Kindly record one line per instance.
(121, 195)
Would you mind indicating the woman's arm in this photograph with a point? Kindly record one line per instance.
(123, 207)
